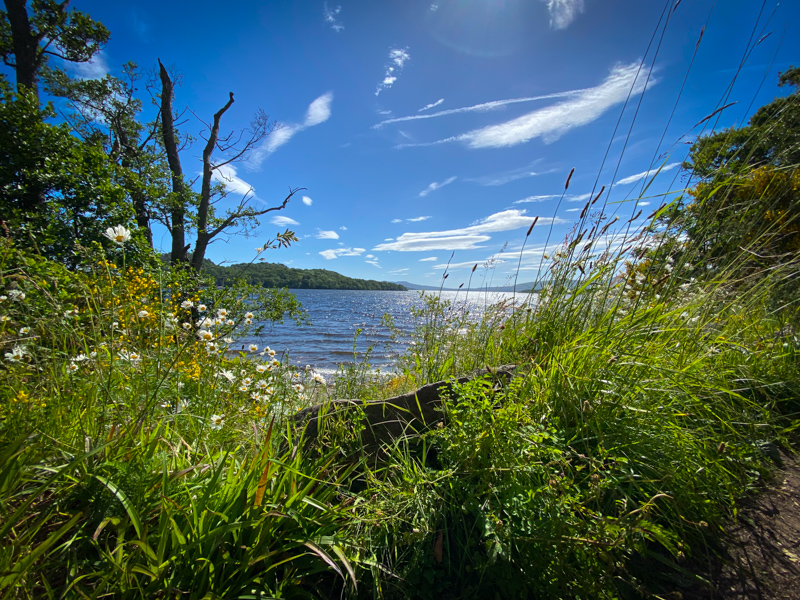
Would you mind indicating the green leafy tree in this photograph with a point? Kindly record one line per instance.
(55, 189)
(29, 36)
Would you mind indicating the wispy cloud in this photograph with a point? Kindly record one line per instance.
(466, 238)
(431, 105)
(539, 198)
(402, 271)
(554, 121)
(397, 58)
(281, 221)
(337, 252)
(331, 17)
(418, 219)
(318, 112)
(397, 220)
(343, 228)
(226, 174)
(435, 186)
(563, 12)
(374, 263)
(96, 68)
(327, 235)
(640, 176)
(307, 201)
(513, 175)
(483, 107)
(429, 259)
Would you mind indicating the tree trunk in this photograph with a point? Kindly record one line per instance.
(26, 46)
(178, 211)
(203, 235)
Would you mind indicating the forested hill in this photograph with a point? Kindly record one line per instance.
(277, 275)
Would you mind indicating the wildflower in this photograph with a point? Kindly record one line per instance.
(3, 298)
(255, 396)
(227, 375)
(248, 315)
(72, 367)
(262, 385)
(319, 378)
(5, 319)
(212, 347)
(259, 250)
(143, 314)
(80, 358)
(261, 368)
(228, 340)
(24, 330)
(92, 355)
(206, 322)
(247, 381)
(187, 304)
(72, 312)
(182, 405)
(275, 362)
(298, 387)
(202, 308)
(248, 321)
(17, 354)
(230, 323)
(186, 326)
(253, 348)
(217, 421)
(222, 312)
(16, 295)
(133, 357)
(242, 388)
(119, 235)
(205, 335)
(269, 351)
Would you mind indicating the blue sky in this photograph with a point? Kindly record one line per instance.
(428, 129)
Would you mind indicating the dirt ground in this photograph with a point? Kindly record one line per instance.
(763, 552)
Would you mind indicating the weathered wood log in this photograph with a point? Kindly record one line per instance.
(395, 417)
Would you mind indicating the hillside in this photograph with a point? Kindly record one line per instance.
(278, 275)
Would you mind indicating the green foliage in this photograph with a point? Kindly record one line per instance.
(55, 190)
(274, 275)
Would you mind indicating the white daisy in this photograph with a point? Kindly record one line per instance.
(119, 234)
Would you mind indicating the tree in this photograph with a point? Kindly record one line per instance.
(55, 189)
(107, 111)
(207, 223)
(744, 213)
(28, 40)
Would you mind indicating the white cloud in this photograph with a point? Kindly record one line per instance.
(552, 122)
(540, 198)
(343, 228)
(330, 14)
(466, 238)
(563, 12)
(435, 186)
(319, 110)
(226, 174)
(374, 263)
(337, 252)
(640, 176)
(388, 239)
(402, 271)
(577, 197)
(483, 107)
(281, 221)
(397, 58)
(418, 219)
(513, 175)
(96, 68)
(573, 209)
(397, 220)
(429, 259)
(327, 235)
(431, 105)
(307, 201)
(370, 256)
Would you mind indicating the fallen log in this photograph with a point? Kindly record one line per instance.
(386, 420)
